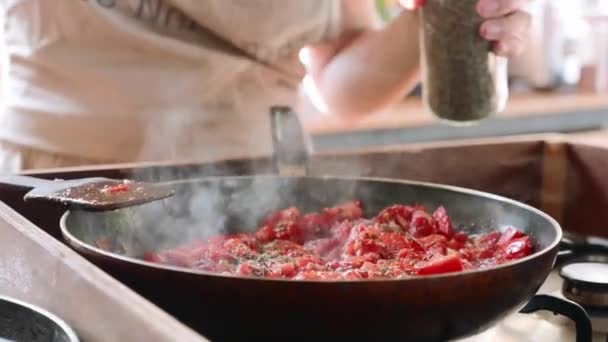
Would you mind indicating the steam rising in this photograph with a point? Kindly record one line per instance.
(206, 206)
(227, 128)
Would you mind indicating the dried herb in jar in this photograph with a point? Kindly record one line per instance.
(459, 69)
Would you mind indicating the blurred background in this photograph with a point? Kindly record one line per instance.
(560, 84)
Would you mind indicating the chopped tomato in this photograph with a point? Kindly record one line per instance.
(484, 245)
(289, 214)
(508, 235)
(153, 257)
(432, 240)
(342, 230)
(245, 269)
(265, 234)
(487, 240)
(443, 222)
(458, 241)
(322, 247)
(354, 262)
(447, 264)
(284, 270)
(435, 243)
(346, 211)
(396, 216)
(339, 244)
(177, 258)
(114, 189)
(518, 248)
(394, 242)
(308, 262)
(314, 224)
(416, 246)
(422, 223)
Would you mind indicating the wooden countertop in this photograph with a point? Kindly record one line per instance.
(411, 112)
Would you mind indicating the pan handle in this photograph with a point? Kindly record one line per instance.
(26, 182)
(566, 308)
(291, 144)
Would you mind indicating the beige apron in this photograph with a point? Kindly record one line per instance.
(88, 81)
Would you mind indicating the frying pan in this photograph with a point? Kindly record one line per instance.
(21, 321)
(224, 308)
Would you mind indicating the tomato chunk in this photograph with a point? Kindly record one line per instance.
(422, 223)
(153, 257)
(118, 188)
(447, 264)
(265, 234)
(443, 222)
(396, 217)
(509, 235)
(518, 248)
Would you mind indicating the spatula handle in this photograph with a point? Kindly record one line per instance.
(291, 146)
(24, 181)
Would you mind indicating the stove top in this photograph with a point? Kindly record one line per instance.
(542, 326)
(581, 276)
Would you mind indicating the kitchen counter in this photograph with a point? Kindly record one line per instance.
(410, 122)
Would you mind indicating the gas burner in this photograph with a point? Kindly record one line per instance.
(586, 283)
(574, 248)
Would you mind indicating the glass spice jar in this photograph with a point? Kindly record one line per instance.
(463, 81)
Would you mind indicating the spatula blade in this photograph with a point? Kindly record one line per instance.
(99, 194)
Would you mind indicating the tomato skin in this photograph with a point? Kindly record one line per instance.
(288, 231)
(422, 224)
(443, 222)
(153, 257)
(364, 246)
(308, 262)
(487, 240)
(447, 264)
(394, 242)
(289, 214)
(322, 247)
(509, 235)
(435, 243)
(346, 211)
(518, 248)
(354, 262)
(433, 239)
(177, 258)
(285, 224)
(245, 269)
(265, 234)
(287, 270)
(342, 230)
(397, 216)
(416, 246)
(458, 241)
(485, 245)
(118, 188)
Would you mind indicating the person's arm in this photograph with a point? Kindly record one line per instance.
(367, 70)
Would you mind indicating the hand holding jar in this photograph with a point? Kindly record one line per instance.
(505, 22)
(464, 44)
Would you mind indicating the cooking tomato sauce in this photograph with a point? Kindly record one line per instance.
(339, 244)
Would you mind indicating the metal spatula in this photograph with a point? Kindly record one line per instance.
(92, 194)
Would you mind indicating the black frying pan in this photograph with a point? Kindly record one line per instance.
(433, 308)
(426, 308)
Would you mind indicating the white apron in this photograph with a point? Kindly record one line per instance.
(138, 80)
